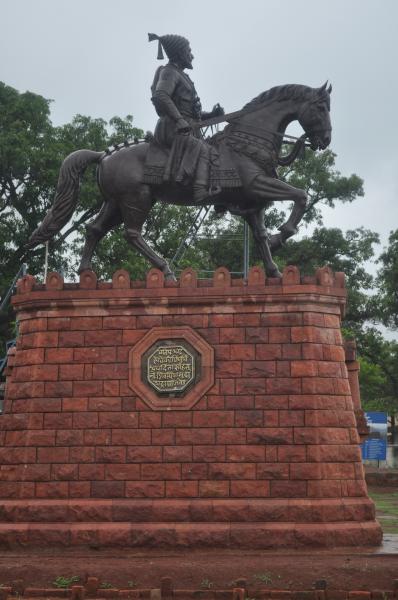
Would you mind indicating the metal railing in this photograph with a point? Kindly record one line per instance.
(4, 303)
(3, 361)
(6, 298)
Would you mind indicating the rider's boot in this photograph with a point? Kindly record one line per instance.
(202, 193)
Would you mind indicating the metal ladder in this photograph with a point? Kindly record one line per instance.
(191, 234)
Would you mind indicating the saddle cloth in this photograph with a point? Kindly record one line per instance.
(179, 163)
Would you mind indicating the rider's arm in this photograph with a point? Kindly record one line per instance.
(162, 97)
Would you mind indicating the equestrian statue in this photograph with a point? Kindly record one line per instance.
(233, 170)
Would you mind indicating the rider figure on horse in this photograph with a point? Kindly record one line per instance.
(178, 106)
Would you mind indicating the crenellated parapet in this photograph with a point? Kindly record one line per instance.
(324, 277)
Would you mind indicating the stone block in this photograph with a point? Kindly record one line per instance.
(121, 280)
(256, 276)
(232, 335)
(181, 489)
(209, 454)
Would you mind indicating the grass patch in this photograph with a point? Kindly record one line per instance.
(386, 509)
(206, 584)
(65, 582)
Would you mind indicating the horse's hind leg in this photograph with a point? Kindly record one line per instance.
(135, 211)
(108, 218)
(256, 224)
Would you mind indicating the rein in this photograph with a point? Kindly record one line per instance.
(240, 113)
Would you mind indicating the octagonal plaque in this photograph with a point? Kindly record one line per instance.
(171, 368)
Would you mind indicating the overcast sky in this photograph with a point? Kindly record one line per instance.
(92, 57)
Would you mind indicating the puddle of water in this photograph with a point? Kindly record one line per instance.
(389, 545)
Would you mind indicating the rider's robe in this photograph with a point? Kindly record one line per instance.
(174, 97)
(172, 156)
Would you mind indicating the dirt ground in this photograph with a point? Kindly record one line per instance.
(196, 569)
(359, 568)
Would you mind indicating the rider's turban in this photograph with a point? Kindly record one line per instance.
(172, 45)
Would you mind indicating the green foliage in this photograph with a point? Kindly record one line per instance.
(347, 252)
(386, 302)
(266, 577)
(316, 173)
(372, 383)
(31, 153)
(379, 371)
(386, 509)
(65, 582)
(25, 160)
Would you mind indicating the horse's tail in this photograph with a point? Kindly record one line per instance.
(66, 195)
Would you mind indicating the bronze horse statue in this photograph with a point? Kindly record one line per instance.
(250, 146)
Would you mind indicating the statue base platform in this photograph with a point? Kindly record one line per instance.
(211, 413)
(176, 523)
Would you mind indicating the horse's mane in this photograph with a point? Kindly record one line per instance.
(290, 91)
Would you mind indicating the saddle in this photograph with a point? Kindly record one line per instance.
(180, 163)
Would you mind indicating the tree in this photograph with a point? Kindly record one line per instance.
(386, 301)
(25, 159)
(347, 252)
(324, 184)
(31, 152)
(379, 371)
(379, 366)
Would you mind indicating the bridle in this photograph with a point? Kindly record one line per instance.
(311, 131)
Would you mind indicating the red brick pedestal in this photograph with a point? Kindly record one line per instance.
(261, 452)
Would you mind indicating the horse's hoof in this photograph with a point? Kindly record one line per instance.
(170, 277)
(274, 273)
(84, 268)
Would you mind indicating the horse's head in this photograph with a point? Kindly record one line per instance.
(314, 117)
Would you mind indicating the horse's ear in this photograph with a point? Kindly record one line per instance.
(330, 89)
(323, 87)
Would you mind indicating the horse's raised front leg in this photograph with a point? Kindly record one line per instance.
(256, 224)
(108, 218)
(135, 211)
(272, 189)
(290, 227)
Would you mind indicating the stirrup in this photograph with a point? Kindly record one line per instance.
(202, 193)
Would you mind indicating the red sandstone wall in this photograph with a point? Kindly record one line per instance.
(278, 422)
